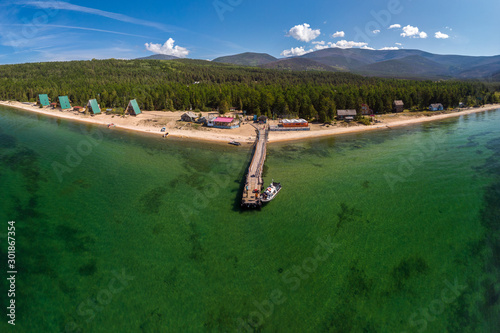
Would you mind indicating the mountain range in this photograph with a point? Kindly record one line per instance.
(247, 59)
(380, 63)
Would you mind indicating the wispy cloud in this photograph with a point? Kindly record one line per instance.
(223, 42)
(9, 38)
(62, 54)
(76, 28)
(60, 5)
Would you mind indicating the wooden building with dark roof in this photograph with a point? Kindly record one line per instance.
(346, 114)
(398, 106)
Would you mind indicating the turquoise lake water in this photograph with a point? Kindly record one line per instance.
(389, 231)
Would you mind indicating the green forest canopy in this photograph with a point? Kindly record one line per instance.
(202, 85)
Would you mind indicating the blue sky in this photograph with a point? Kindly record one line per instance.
(32, 31)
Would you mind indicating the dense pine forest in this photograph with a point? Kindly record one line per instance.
(202, 85)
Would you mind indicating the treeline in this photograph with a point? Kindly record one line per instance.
(201, 85)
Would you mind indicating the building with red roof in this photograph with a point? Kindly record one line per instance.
(223, 122)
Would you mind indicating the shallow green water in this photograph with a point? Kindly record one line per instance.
(118, 232)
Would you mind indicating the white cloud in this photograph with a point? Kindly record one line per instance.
(376, 32)
(321, 47)
(338, 34)
(441, 35)
(304, 33)
(409, 31)
(168, 49)
(395, 26)
(319, 42)
(343, 44)
(413, 32)
(295, 52)
(389, 48)
(399, 44)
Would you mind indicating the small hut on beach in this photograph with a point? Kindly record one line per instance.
(133, 108)
(93, 107)
(43, 100)
(346, 114)
(365, 110)
(398, 106)
(436, 107)
(189, 116)
(64, 103)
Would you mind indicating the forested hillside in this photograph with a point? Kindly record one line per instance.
(247, 59)
(203, 85)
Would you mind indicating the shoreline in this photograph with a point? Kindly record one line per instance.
(389, 125)
(151, 122)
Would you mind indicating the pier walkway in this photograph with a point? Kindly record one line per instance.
(254, 181)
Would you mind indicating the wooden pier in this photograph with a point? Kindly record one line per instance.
(254, 182)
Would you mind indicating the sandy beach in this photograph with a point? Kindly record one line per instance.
(153, 121)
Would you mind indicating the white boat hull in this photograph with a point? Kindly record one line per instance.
(271, 192)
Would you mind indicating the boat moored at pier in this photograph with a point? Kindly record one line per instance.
(270, 192)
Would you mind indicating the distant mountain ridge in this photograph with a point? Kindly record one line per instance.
(247, 59)
(407, 63)
(414, 64)
(299, 64)
(381, 63)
